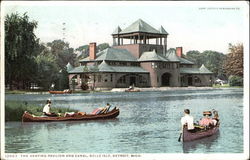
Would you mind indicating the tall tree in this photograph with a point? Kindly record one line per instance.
(233, 64)
(63, 55)
(102, 46)
(194, 56)
(62, 51)
(20, 50)
(211, 59)
(47, 69)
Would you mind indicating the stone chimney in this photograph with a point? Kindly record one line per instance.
(179, 51)
(92, 51)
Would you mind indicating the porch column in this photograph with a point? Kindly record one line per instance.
(79, 80)
(118, 40)
(165, 46)
(114, 41)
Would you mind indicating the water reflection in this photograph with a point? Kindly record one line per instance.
(55, 125)
(205, 143)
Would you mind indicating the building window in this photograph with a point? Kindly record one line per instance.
(99, 78)
(111, 77)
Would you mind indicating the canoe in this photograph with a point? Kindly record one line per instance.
(132, 90)
(189, 136)
(27, 117)
(60, 92)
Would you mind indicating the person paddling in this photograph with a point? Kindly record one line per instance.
(187, 120)
(46, 109)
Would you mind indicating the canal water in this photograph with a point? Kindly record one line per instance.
(149, 122)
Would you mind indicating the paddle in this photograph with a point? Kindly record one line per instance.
(179, 139)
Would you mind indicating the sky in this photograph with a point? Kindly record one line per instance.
(192, 25)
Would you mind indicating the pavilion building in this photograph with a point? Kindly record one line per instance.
(138, 57)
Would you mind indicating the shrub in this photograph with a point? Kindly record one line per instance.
(14, 110)
(235, 81)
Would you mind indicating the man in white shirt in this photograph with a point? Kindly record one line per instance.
(187, 120)
(46, 109)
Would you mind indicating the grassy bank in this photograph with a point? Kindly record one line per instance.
(225, 86)
(14, 110)
(22, 91)
(40, 91)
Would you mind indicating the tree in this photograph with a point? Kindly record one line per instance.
(194, 56)
(235, 80)
(213, 60)
(102, 46)
(63, 55)
(20, 50)
(233, 63)
(47, 69)
(82, 48)
(63, 52)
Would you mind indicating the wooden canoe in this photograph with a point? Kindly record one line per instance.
(112, 114)
(60, 92)
(189, 136)
(132, 90)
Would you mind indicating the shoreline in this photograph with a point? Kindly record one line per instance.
(150, 89)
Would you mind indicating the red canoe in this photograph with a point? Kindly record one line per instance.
(189, 136)
(60, 92)
(132, 90)
(112, 114)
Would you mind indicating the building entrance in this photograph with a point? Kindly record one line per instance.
(190, 80)
(165, 79)
(132, 80)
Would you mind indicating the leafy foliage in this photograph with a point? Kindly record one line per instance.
(235, 81)
(63, 55)
(211, 59)
(14, 110)
(28, 61)
(47, 69)
(233, 64)
(102, 46)
(62, 52)
(21, 47)
(194, 56)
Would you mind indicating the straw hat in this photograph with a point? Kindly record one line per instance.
(207, 113)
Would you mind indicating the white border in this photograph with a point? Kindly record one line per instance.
(144, 156)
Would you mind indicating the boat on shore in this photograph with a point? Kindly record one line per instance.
(132, 90)
(27, 117)
(200, 133)
(61, 92)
